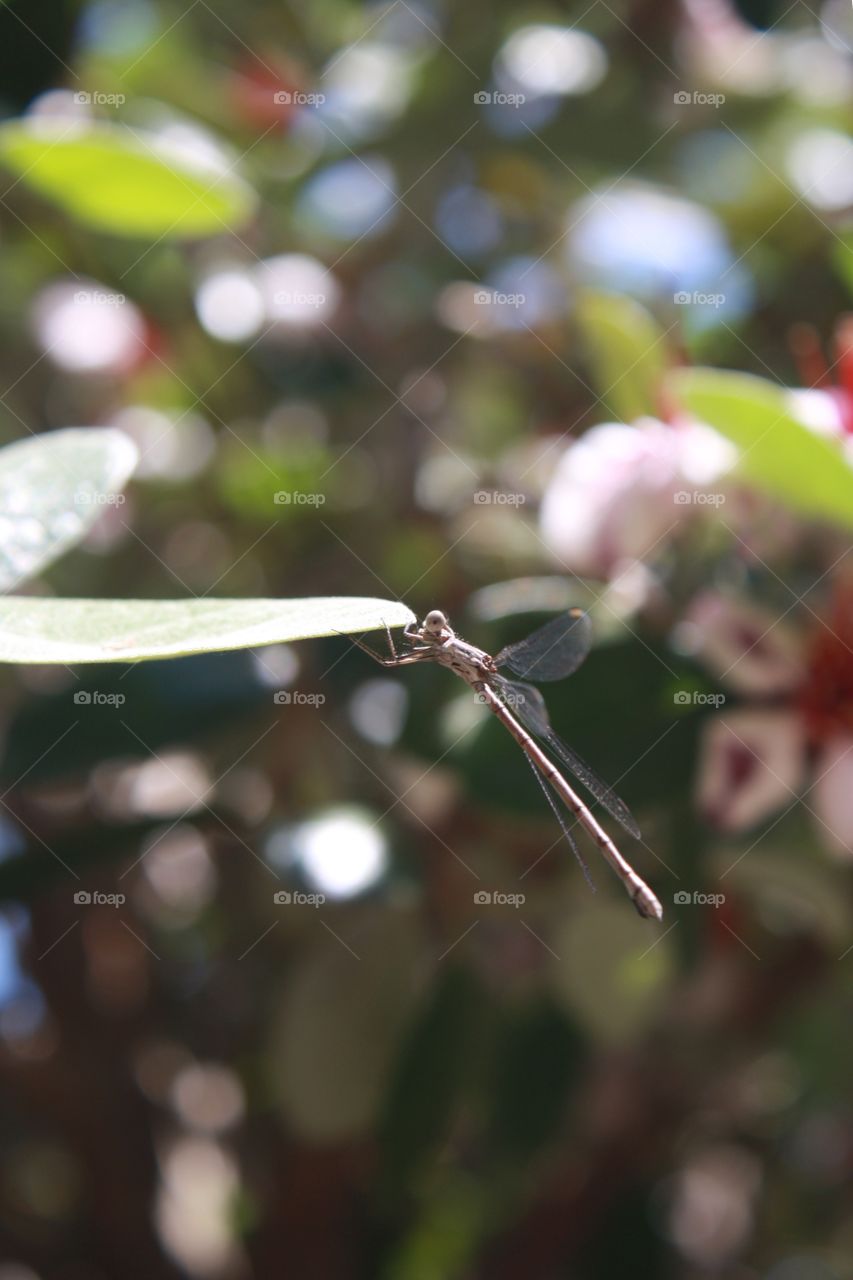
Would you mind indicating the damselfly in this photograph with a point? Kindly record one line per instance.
(551, 653)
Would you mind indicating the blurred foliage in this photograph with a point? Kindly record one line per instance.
(115, 180)
(406, 303)
(781, 456)
(52, 493)
(62, 631)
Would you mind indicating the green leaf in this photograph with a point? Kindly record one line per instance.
(53, 488)
(534, 1067)
(125, 181)
(780, 455)
(628, 354)
(65, 631)
(842, 257)
(424, 1090)
(613, 975)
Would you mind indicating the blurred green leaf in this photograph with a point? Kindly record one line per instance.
(67, 631)
(127, 182)
(535, 1062)
(429, 1075)
(450, 1223)
(614, 968)
(628, 354)
(809, 1033)
(339, 1018)
(842, 256)
(260, 482)
(119, 711)
(781, 456)
(99, 845)
(53, 488)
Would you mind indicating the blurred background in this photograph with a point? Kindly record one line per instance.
(296, 975)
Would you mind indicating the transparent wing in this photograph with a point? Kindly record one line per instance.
(553, 652)
(527, 703)
(529, 706)
(595, 785)
(564, 827)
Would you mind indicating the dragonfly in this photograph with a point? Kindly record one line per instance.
(552, 652)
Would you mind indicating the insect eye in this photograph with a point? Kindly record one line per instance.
(435, 620)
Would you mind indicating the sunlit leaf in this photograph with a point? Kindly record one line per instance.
(122, 180)
(67, 631)
(628, 354)
(806, 471)
(613, 968)
(53, 487)
(345, 1004)
(842, 257)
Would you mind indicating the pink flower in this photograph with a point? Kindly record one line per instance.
(826, 404)
(619, 491)
(750, 765)
(756, 760)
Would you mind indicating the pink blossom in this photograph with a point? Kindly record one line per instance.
(749, 767)
(620, 490)
(756, 760)
(744, 646)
